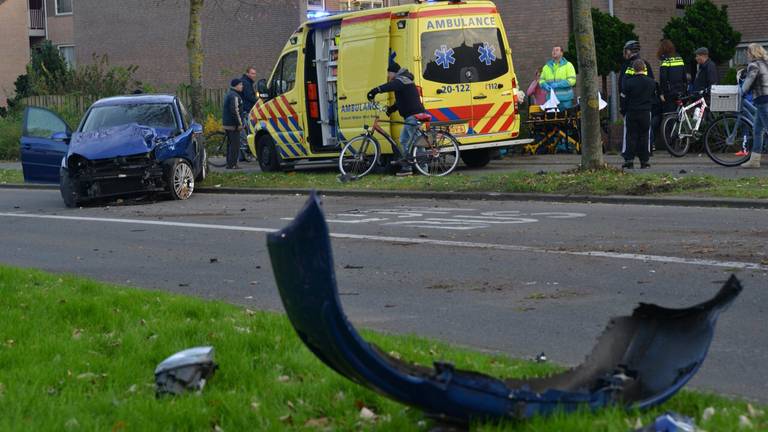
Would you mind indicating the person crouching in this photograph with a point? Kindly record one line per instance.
(637, 96)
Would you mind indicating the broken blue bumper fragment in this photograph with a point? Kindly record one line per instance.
(639, 361)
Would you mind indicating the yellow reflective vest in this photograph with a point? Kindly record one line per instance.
(560, 77)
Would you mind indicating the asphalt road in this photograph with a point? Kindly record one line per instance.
(514, 277)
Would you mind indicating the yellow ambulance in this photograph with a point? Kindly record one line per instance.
(316, 100)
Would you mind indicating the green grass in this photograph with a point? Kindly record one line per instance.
(79, 355)
(604, 182)
(11, 176)
(10, 134)
(607, 182)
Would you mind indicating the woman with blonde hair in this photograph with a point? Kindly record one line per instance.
(757, 82)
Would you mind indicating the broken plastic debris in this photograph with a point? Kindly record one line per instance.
(184, 371)
(670, 422)
(639, 361)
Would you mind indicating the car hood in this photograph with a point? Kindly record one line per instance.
(117, 141)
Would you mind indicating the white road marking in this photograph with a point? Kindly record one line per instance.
(417, 240)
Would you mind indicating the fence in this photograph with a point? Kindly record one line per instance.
(78, 104)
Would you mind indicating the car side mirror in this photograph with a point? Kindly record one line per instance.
(262, 86)
(61, 136)
(197, 128)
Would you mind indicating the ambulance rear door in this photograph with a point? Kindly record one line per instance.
(362, 65)
(493, 92)
(445, 80)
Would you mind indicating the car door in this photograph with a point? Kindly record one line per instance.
(44, 143)
(363, 59)
(282, 113)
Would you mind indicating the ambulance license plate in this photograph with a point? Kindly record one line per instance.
(458, 129)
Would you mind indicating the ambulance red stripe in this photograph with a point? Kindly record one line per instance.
(450, 12)
(491, 123)
(367, 18)
(507, 124)
(279, 109)
(290, 108)
(261, 113)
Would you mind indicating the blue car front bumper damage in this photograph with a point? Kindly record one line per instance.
(639, 361)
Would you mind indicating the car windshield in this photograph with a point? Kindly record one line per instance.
(151, 115)
(461, 56)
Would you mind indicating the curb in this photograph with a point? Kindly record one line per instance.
(506, 196)
(477, 196)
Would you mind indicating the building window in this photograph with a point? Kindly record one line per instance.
(68, 52)
(63, 7)
(315, 5)
(740, 58)
(363, 4)
(681, 4)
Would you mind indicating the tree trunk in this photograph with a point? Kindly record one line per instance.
(591, 145)
(195, 53)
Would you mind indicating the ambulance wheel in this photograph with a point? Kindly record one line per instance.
(476, 158)
(269, 161)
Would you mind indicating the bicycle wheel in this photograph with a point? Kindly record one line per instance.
(435, 153)
(728, 140)
(245, 151)
(216, 147)
(672, 129)
(359, 156)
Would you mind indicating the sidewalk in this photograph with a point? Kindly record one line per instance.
(662, 163)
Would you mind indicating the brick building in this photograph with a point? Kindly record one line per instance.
(750, 18)
(24, 24)
(152, 34)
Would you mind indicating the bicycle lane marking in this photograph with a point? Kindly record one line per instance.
(453, 219)
(418, 241)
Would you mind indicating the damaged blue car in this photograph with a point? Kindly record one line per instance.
(125, 145)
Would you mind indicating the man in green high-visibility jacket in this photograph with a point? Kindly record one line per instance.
(558, 74)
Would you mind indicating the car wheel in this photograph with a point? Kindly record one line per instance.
(181, 179)
(476, 158)
(267, 152)
(68, 190)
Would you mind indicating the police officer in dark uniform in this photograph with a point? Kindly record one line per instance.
(673, 80)
(638, 93)
(632, 53)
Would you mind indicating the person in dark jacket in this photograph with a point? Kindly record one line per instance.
(232, 120)
(637, 97)
(706, 73)
(632, 53)
(407, 103)
(673, 81)
(249, 90)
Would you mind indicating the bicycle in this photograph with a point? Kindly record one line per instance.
(216, 144)
(433, 152)
(728, 141)
(678, 129)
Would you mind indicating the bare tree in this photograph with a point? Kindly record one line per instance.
(591, 145)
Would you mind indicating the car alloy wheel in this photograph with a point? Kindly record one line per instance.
(183, 180)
